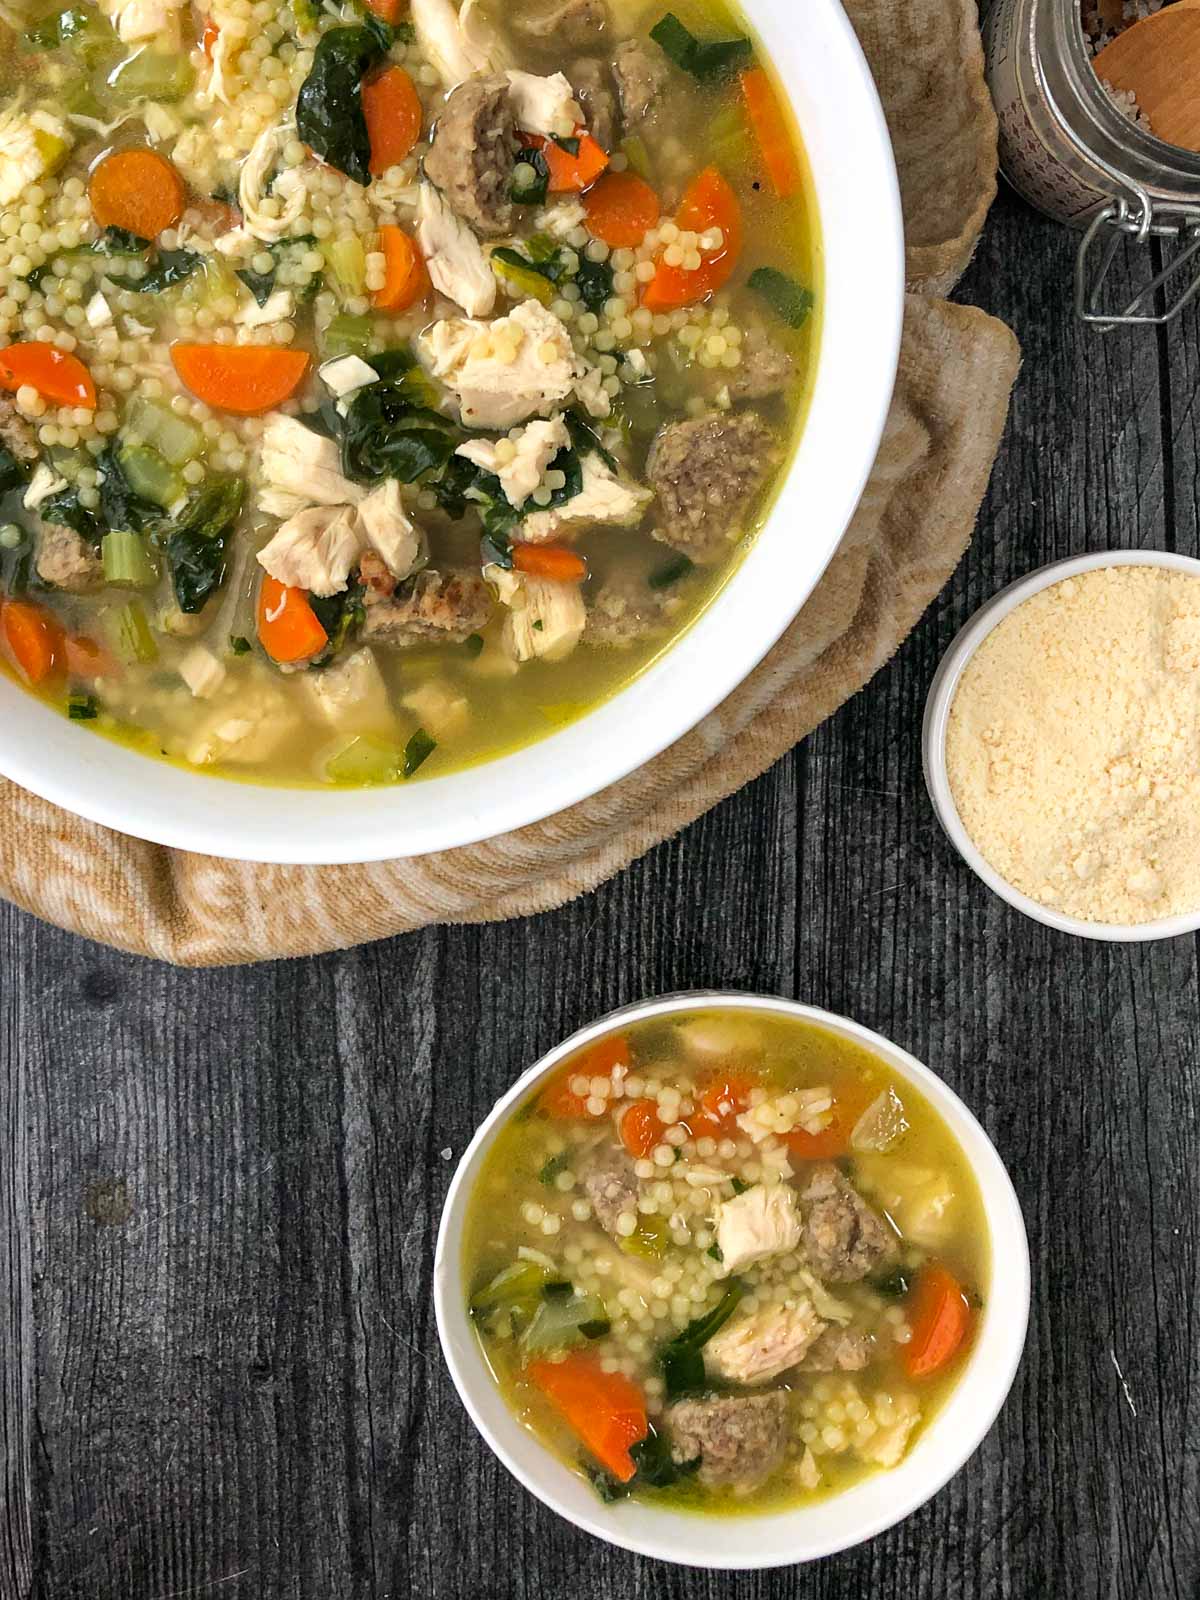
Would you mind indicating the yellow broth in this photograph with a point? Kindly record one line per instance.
(920, 1184)
(466, 701)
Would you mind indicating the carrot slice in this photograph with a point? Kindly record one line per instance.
(722, 1101)
(85, 658)
(406, 279)
(287, 624)
(243, 378)
(549, 561)
(389, 11)
(209, 37)
(393, 112)
(31, 639)
(771, 130)
(939, 1316)
(621, 209)
(606, 1410)
(137, 190)
(640, 1128)
(55, 375)
(597, 1061)
(567, 171)
(709, 202)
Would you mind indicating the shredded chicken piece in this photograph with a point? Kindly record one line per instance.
(458, 43)
(301, 468)
(453, 255)
(255, 183)
(534, 448)
(314, 550)
(545, 618)
(505, 371)
(545, 105)
(604, 498)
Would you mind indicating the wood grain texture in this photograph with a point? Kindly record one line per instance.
(219, 1374)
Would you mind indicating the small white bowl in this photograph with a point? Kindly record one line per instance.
(804, 1533)
(937, 716)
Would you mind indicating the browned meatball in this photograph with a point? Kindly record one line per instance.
(706, 472)
(433, 607)
(739, 1440)
(473, 154)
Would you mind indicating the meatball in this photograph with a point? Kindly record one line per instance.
(840, 1350)
(706, 472)
(627, 609)
(432, 608)
(473, 154)
(578, 23)
(844, 1238)
(16, 433)
(65, 559)
(739, 1440)
(765, 370)
(641, 78)
(592, 84)
(612, 1187)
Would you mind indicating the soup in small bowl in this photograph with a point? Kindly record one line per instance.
(731, 1281)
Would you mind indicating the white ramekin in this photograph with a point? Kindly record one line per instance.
(937, 715)
(821, 65)
(775, 1538)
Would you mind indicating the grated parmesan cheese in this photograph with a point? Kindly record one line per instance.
(1073, 745)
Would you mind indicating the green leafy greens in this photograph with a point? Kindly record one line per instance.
(708, 61)
(195, 546)
(682, 1360)
(329, 110)
(788, 299)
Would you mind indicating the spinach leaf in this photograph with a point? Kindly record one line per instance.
(386, 435)
(709, 61)
(329, 112)
(682, 1360)
(170, 267)
(239, 645)
(65, 508)
(338, 614)
(670, 572)
(654, 1466)
(262, 284)
(595, 280)
(893, 1285)
(567, 462)
(120, 507)
(418, 750)
(120, 242)
(784, 295)
(587, 441)
(12, 473)
(531, 179)
(82, 707)
(195, 547)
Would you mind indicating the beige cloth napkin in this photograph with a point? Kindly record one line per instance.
(956, 370)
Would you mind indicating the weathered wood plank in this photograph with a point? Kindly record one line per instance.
(218, 1192)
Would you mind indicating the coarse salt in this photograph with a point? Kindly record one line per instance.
(1073, 745)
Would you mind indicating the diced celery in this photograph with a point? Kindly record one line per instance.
(634, 148)
(347, 336)
(728, 136)
(149, 476)
(365, 759)
(151, 74)
(53, 150)
(126, 560)
(129, 635)
(215, 280)
(347, 260)
(177, 439)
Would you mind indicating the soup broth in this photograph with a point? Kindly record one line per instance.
(728, 1262)
(378, 394)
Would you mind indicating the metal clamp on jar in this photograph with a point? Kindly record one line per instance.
(1068, 149)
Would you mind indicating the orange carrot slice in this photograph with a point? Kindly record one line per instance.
(287, 624)
(31, 639)
(709, 202)
(549, 561)
(606, 1410)
(771, 130)
(209, 37)
(389, 11)
(55, 375)
(137, 190)
(939, 1316)
(640, 1128)
(243, 378)
(85, 658)
(850, 1100)
(406, 279)
(393, 112)
(621, 209)
(723, 1101)
(597, 1061)
(569, 172)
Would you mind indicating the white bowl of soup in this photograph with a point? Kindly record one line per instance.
(379, 404)
(731, 1281)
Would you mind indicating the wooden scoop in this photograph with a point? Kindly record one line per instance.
(1159, 60)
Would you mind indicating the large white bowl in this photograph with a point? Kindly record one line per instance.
(821, 64)
(777, 1538)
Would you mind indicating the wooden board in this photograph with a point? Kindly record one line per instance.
(219, 1376)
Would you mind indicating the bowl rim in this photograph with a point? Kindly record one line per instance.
(935, 723)
(965, 1416)
(180, 808)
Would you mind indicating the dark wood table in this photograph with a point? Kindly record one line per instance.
(219, 1374)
